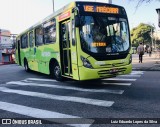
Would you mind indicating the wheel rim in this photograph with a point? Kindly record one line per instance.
(57, 71)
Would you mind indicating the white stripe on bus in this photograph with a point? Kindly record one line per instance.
(39, 113)
(89, 101)
(67, 87)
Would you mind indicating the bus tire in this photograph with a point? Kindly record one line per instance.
(26, 67)
(56, 72)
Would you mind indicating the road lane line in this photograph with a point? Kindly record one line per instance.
(121, 84)
(38, 79)
(130, 75)
(67, 87)
(89, 101)
(119, 79)
(40, 113)
(138, 71)
(134, 73)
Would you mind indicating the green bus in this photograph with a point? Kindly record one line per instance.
(81, 41)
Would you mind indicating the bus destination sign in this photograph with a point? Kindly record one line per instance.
(101, 9)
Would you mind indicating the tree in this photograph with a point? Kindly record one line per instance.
(141, 33)
(143, 1)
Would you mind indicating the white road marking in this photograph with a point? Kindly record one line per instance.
(138, 71)
(67, 87)
(119, 79)
(38, 79)
(40, 113)
(131, 75)
(134, 73)
(58, 97)
(121, 84)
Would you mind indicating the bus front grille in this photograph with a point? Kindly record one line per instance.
(112, 65)
(111, 72)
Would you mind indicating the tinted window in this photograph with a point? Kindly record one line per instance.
(101, 34)
(73, 32)
(24, 41)
(50, 31)
(39, 36)
(31, 39)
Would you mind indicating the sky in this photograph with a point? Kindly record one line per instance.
(18, 15)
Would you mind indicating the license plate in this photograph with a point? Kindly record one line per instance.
(114, 70)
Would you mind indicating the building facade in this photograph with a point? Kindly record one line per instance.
(6, 47)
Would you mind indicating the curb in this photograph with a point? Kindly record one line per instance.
(1, 64)
(155, 67)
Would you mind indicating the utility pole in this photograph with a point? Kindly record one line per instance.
(158, 11)
(53, 4)
(109, 1)
(152, 36)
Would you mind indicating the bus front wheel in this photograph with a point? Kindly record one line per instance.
(56, 72)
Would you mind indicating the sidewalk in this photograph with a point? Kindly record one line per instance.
(149, 63)
(6, 63)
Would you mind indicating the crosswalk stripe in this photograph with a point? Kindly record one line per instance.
(131, 75)
(138, 71)
(67, 87)
(95, 102)
(121, 84)
(119, 79)
(39, 113)
(38, 79)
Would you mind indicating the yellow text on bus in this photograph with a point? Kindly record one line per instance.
(98, 44)
(101, 9)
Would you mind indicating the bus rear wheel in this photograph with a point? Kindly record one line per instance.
(56, 72)
(26, 66)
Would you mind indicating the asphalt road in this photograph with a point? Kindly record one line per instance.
(34, 95)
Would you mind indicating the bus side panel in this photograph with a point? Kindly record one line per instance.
(43, 56)
(17, 53)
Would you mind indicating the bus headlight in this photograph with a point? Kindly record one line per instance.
(86, 62)
(130, 59)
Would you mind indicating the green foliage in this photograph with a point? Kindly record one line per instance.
(141, 33)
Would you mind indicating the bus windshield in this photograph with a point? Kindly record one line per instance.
(103, 34)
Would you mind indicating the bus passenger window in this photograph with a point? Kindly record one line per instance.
(31, 39)
(39, 36)
(24, 41)
(50, 31)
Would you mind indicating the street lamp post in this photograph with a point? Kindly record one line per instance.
(53, 4)
(110, 1)
(152, 36)
(158, 11)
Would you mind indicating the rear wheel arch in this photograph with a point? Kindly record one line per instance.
(55, 70)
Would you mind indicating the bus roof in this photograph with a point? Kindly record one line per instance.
(63, 9)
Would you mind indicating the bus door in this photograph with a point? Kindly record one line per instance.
(18, 52)
(65, 35)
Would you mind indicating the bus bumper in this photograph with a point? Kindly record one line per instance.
(88, 74)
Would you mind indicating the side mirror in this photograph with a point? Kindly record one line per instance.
(77, 21)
